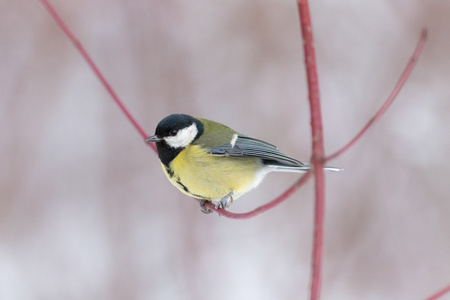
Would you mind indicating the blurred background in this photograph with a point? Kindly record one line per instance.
(87, 213)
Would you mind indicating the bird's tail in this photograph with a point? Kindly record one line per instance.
(304, 168)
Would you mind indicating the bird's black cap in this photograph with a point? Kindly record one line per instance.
(171, 124)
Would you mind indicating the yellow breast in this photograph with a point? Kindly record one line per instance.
(205, 176)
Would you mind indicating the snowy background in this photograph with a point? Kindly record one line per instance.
(87, 213)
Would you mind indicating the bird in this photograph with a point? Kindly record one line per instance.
(212, 162)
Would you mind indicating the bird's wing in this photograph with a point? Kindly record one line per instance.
(245, 146)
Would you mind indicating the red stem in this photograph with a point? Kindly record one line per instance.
(317, 158)
(94, 68)
(440, 293)
(401, 82)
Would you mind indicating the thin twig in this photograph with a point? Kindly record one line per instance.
(401, 82)
(318, 152)
(440, 293)
(94, 68)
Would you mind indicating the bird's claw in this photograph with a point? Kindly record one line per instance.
(221, 204)
(225, 201)
(203, 208)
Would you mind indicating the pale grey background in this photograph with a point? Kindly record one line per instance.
(86, 212)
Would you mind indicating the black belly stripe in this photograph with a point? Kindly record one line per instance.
(187, 190)
(183, 186)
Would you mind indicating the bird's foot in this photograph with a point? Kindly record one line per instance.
(203, 208)
(225, 201)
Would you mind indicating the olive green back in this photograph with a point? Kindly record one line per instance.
(214, 135)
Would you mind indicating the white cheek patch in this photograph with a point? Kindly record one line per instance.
(183, 138)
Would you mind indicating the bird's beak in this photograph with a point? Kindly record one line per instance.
(153, 139)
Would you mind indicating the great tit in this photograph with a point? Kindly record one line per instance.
(210, 161)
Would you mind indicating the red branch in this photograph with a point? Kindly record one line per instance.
(317, 159)
(440, 293)
(400, 83)
(95, 69)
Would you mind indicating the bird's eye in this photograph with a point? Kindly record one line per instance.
(173, 132)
